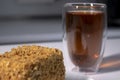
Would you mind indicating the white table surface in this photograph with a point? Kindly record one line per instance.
(111, 60)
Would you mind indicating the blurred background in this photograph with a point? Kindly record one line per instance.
(41, 20)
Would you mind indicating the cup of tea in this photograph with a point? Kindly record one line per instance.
(85, 26)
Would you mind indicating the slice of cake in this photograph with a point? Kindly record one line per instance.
(32, 63)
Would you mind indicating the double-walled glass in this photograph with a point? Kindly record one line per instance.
(85, 27)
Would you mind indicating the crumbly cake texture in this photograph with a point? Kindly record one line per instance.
(32, 63)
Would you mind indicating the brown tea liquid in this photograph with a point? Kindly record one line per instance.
(84, 30)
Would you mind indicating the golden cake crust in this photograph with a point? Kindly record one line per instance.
(32, 63)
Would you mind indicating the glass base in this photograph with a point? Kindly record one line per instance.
(71, 75)
(86, 71)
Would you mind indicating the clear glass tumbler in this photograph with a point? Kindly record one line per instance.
(85, 26)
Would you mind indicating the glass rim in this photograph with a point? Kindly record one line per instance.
(102, 5)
